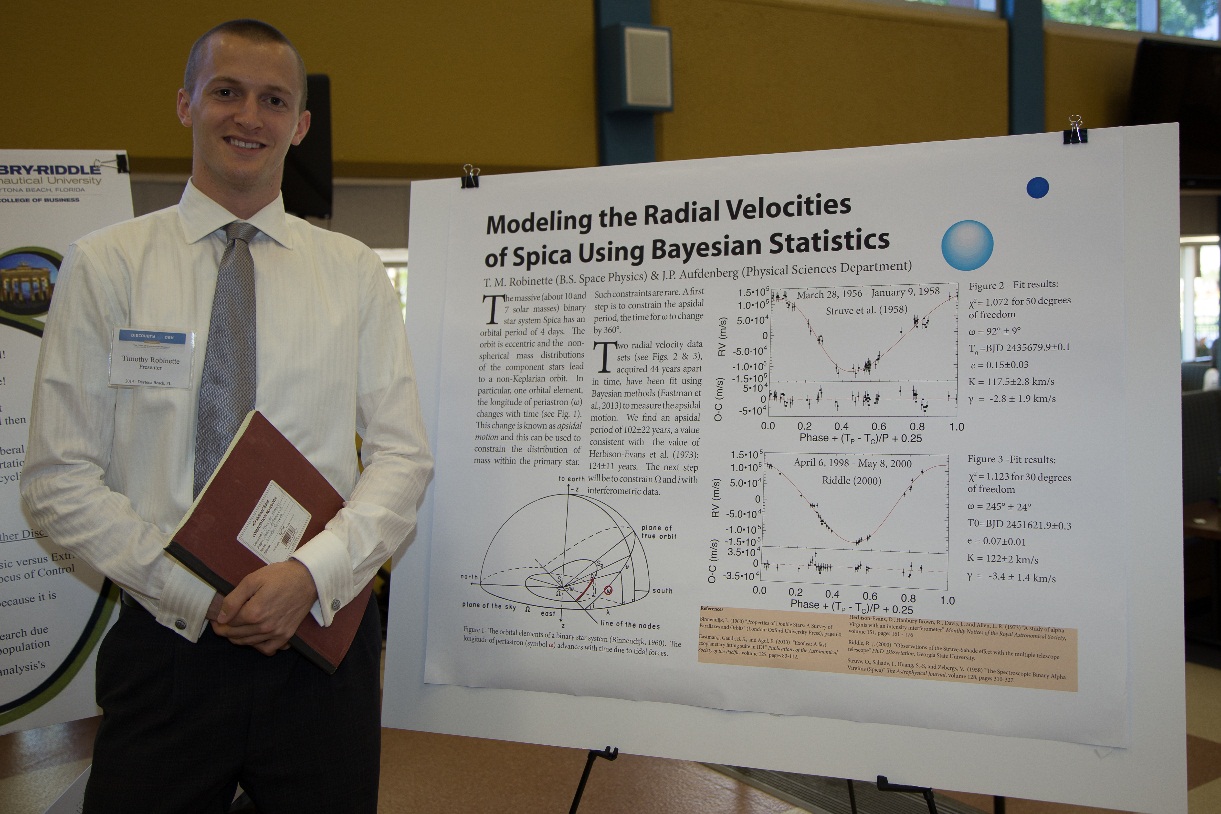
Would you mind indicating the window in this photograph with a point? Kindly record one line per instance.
(1182, 18)
(981, 5)
(1199, 294)
(395, 261)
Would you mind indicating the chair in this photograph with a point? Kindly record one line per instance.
(1201, 444)
(1193, 374)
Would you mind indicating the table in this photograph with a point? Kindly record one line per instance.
(1202, 572)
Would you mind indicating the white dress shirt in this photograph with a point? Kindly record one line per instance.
(108, 471)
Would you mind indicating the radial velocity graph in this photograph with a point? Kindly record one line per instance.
(864, 350)
(849, 519)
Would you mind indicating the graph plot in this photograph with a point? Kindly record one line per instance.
(864, 350)
(863, 520)
(566, 552)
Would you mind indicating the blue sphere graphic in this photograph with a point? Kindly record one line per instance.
(1037, 187)
(967, 245)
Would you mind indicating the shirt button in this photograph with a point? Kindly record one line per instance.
(334, 604)
(181, 624)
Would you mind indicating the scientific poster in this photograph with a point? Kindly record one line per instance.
(838, 436)
(53, 607)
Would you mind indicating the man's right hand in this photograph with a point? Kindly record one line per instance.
(265, 609)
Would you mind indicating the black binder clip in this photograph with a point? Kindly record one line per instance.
(1076, 134)
(119, 164)
(471, 179)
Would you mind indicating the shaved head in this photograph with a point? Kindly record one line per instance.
(252, 30)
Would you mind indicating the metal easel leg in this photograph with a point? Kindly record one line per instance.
(594, 754)
(885, 785)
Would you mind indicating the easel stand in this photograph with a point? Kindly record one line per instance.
(594, 754)
(998, 802)
(885, 785)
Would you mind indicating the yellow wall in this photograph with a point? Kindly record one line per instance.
(420, 87)
(417, 86)
(753, 76)
(1092, 70)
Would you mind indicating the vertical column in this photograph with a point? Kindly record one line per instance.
(1026, 89)
(624, 137)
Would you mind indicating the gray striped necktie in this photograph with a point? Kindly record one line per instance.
(226, 392)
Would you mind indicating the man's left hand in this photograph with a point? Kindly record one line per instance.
(266, 607)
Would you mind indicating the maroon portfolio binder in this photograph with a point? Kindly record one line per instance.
(238, 498)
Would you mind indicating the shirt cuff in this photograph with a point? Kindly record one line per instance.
(327, 559)
(184, 603)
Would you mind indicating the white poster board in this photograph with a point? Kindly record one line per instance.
(52, 605)
(743, 457)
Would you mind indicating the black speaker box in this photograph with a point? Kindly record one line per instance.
(308, 185)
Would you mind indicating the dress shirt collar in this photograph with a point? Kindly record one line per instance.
(201, 216)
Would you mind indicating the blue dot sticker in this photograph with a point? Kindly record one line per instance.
(967, 245)
(1037, 187)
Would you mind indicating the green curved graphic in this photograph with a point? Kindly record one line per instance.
(103, 610)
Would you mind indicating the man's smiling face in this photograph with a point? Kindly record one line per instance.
(244, 113)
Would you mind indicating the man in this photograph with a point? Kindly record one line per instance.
(200, 692)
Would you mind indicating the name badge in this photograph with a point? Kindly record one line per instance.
(140, 358)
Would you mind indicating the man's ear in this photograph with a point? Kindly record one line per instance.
(302, 127)
(184, 107)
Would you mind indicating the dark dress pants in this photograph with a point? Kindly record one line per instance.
(184, 723)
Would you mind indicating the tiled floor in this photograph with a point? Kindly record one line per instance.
(441, 774)
(438, 774)
(1203, 754)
